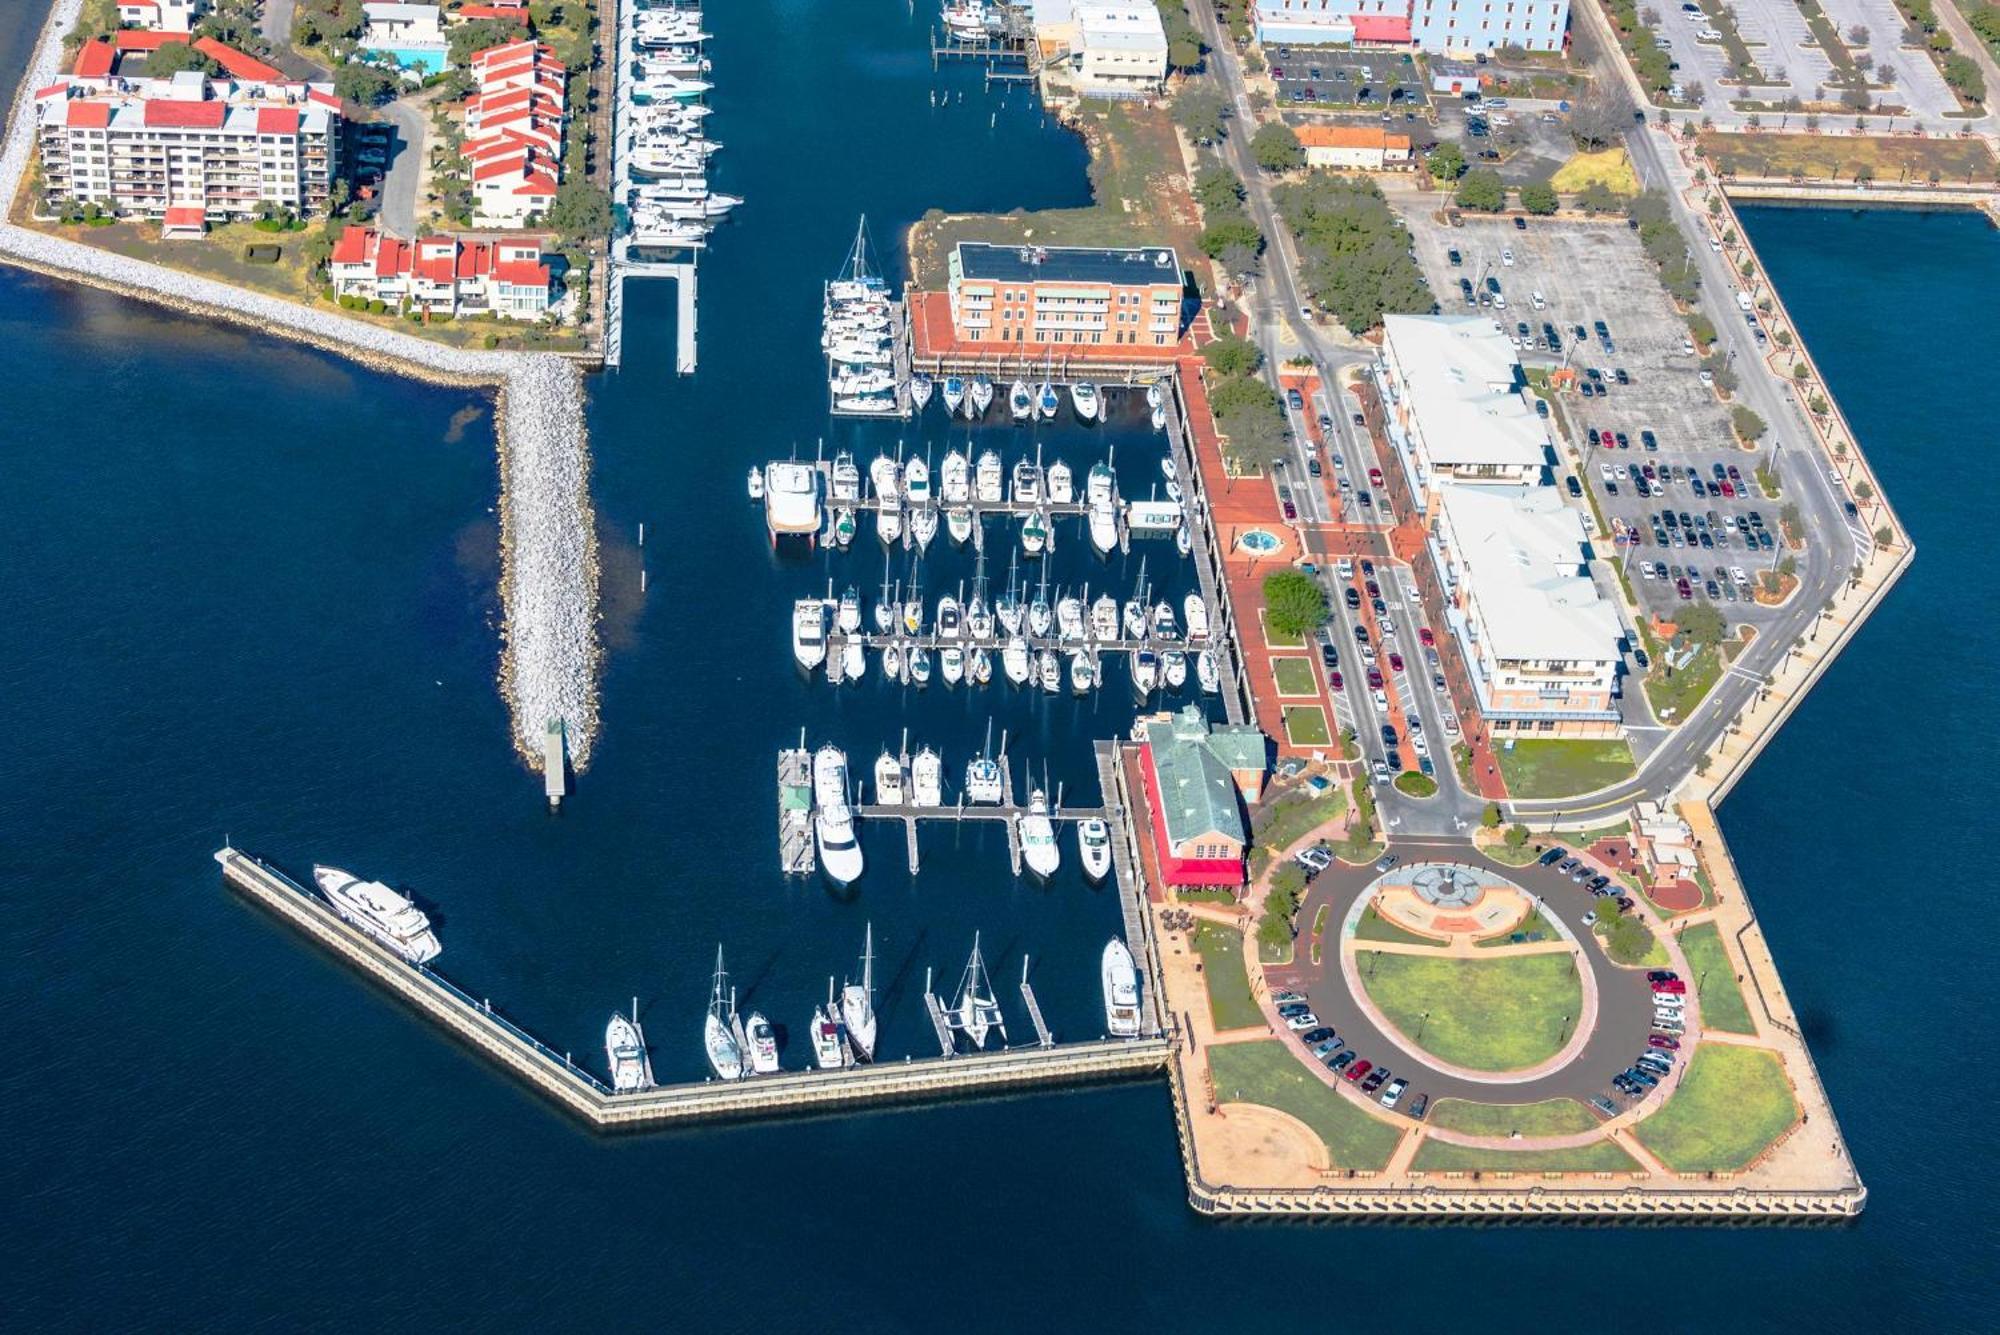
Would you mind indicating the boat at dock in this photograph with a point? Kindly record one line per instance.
(923, 526)
(857, 1003)
(1206, 672)
(848, 618)
(1082, 672)
(1039, 852)
(975, 1011)
(1084, 398)
(889, 779)
(1014, 660)
(917, 482)
(388, 917)
(1048, 670)
(1069, 617)
(955, 478)
(958, 523)
(762, 1044)
(718, 1034)
(1027, 482)
(988, 478)
(829, 1035)
(809, 632)
(918, 660)
(1047, 401)
(1104, 617)
(1021, 401)
(920, 390)
(791, 500)
(927, 779)
(1173, 668)
(1093, 842)
(1145, 671)
(1196, 612)
(954, 394)
(1036, 536)
(1121, 990)
(625, 1050)
(1061, 483)
(833, 820)
(978, 397)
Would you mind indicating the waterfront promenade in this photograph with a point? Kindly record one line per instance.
(549, 580)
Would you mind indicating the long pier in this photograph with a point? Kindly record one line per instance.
(475, 1022)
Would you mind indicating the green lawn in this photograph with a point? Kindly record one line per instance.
(1295, 676)
(1374, 927)
(1672, 697)
(1555, 1117)
(1277, 639)
(1269, 1073)
(1731, 1105)
(1532, 927)
(1837, 157)
(1229, 999)
(1563, 767)
(1490, 1014)
(1289, 818)
(1434, 1156)
(1722, 1005)
(1306, 725)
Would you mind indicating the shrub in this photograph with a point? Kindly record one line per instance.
(1415, 783)
(1539, 197)
(1294, 603)
(1482, 190)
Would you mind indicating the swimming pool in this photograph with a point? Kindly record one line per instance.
(427, 60)
(1258, 541)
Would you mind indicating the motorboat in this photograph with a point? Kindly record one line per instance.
(1093, 842)
(1167, 469)
(718, 1033)
(853, 659)
(833, 819)
(1061, 483)
(920, 390)
(958, 523)
(979, 667)
(1173, 668)
(1027, 482)
(857, 1003)
(809, 632)
(1083, 397)
(848, 617)
(978, 397)
(966, 20)
(1069, 618)
(1164, 625)
(1206, 673)
(1014, 660)
(984, 781)
(1039, 852)
(955, 478)
(762, 1042)
(888, 780)
(1135, 619)
(829, 1035)
(1082, 672)
(1183, 539)
(1100, 485)
(387, 917)
(951, 664)
(884, 477)
(1021, 401)
(1048, 670)
(954, 393)
(927, 779)
(988, 478)
(1104, 526)
(1196, 612)
(1145, 671)
(625, 1050)
(1121, 991)
(1035, 535)
(1104, 618)
(917, 482)
(950, 619)
(756, 484)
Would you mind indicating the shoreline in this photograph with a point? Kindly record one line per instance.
(550, 652)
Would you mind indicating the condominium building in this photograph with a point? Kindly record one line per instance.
(445, 275)
(1061, 294)
(1542, 645)
(514, 132)
(1120, 48)
(222, 146)
(1454, 395)
(161, 15)
(1443, 27)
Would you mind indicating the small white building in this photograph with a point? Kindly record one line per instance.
(161, 15)
(394, 25)
(1120, 48)
(1455, 388)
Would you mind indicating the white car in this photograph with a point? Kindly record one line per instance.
(1739, 575)
(1647, 570)
(1302, 1022)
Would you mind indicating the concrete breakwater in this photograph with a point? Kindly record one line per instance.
(549, 583)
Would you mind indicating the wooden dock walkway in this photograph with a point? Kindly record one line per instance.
(474, 1021)
(1208, 565)
(796, 853)
(1126, 865)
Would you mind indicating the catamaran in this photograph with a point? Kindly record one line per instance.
(383, 914)
(763, 1043)
(718, 1033)
(809, 632)
(1121, 991)
(625, 1049)
(975, 1012)
(927, 779)
(833, 819)
(1093, 841)
(857, 1003)
(829, 1035)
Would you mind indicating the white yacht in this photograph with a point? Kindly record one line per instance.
(917, 482)
(829, 1035)
(958, 523)
(1038, 837)
(1206, 672)
(853, 659)
(1083, 397)
(809, 632)
(762, 1043)
(833, 819)
(1156, 404)
(625, 1049)
(888, 780)
(379, 911)
(718, 1033)
(1062, 483)
(1048, 670)
(1196, 612)
(979, 667)
(1093, 841)
(923, 526)
(848, 617)
(966, 20)
(1082, 672)
(988, 478)
(857, 1003)
(892, 662)
(1069, 617)
(791, 499)
(1035, 535)
(1104, 526)
(954, 394)
(1104, 618)
(1164, 626)
(884, 476)
(889, 520)
(756, 484)
(1047, 401)
(1173, 669)
(1027, 482)
(927, 779)
(955, 478)
(1121, 991)
(984, 782)
(1014, 660)
(951, 664)
(1145, 671)
(920, 390)
(950, 620)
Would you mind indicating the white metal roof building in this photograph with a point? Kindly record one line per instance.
(1542, 643)
(1455, 386)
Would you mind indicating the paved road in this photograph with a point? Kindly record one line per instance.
(1624, 1005)
(406, 157)
(276, 22)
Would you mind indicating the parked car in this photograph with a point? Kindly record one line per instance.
(1419, 1106)
(1301, 1022)
(1375, 1080)
(1359, 1069)
(1342, 1061)
(1394, 1093)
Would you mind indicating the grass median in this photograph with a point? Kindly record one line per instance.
(1434, 1156)
(1552, 1117)
(1270, 1073)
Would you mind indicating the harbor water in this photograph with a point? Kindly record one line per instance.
(250, 593)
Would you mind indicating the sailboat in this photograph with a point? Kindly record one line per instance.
(923, 525)
(829, 1035)
(1021, 401)
(1041, 617)
(1047, 401)
(920, 390)
(625, 1048)
(984, 781)
(718, 1035)
(886, 607)
(979, 667)
(1206, 672)
(975, 1012)
(954, 394)
(979, 397)
(1082, 672)
(1035, 535)
(1093, 840)
(892, 662)
(762, 1042)
(1121, 991)
(1008, 606)
(1156, 404)
(918, 661)
(857, 1003)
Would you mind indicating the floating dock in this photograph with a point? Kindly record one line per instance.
(796, 853)
(555, 773)
(475, 1022)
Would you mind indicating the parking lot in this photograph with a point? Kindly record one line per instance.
(1521, 143)
(1646, 388)
(1332, 76)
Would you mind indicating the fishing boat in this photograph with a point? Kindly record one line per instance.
(920, 389)
(958, 523)
(756, 484)
(1048, 670)
(965, 20)
(927, 779)
(918, 663)
(979, 396)
(762, 1044)
(1206, 672)
(1196, 612)
(625, 1049)
(954, 393)
(988, 478)
(1069, 618)
(1062, 483)
(1093, 841)
(857, 1003)
(1027, 482)
(386, 916)
(718, 1034)
(974, 1011)
(955, 478)
(846, 478)
(951, 664)
(1082, 672)
(833, 819)
(984, 783)
(809, 632)
(1035, 535)
(829, 1035)
(1173, 668)
(1021, 401)
(1039, 852)
(1104, 617)
(888, 780)
(848, 618)
(950, 621)
(1121, 991)
(1145, 671)
(1083, 397)
(1014, 660)
(923, 526)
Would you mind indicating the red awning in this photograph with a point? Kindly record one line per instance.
(1381, 28)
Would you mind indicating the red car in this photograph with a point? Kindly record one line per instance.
(1374, 589)
(1728, 488)
(1374, 679)
(1425, 638)
(1684, 589)
(1395, 662)
(1291, 511)
(1375, 476)
(1672, 986)
(1333, 680)
(1359, 1069)
(1664, 1041)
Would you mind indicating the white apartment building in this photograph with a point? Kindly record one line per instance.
(161, 15)
(514, 132)
(142, 146)
(1442, 27)
(1120, 48)
(1455, 399)
(444, 275)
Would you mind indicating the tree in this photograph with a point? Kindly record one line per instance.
(1482, 190)
(1720, 371)
(1446, 163)
(1964, 78)
(1790, 518)
(363, 85)
(1858, 35)
(1539, 197)
(1240, 259)
(1219, 236)
(1490, 818)
(581, 211)
(1700, 328)
(1604, 113)
(467, 39)
(1199, 111)
(1702, 623)
(1294, 603)
(1517, 835)
(1355, 252)
(1216, 187)
(1276, 147)
(176, 57)
(1747, 424)
(1597, 197)
(1233, 356)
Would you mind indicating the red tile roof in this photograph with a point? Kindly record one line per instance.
(95, 59)
(89, 115)
(277, 120)
(186, 215)
(132, 39)
(392, 256)
(538, 183)
(167, 114)
(1381, 28)
(353, 245)
(504, 13)
(522, 273)
(238, 64)
(487, 171)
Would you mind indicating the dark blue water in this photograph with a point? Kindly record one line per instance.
(249, 590)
